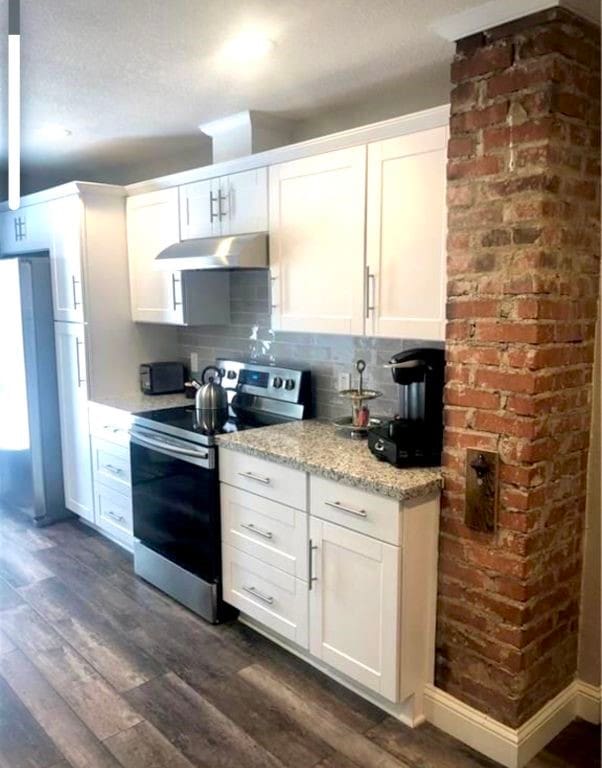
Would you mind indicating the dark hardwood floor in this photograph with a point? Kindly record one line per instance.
(100, 670)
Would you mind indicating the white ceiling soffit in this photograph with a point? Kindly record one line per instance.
(494, 13)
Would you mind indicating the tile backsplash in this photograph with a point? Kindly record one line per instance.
(250, 337)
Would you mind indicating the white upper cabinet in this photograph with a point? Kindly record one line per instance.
(230, 205)
(199, 211)
(152, 225)
(354, 606)
(246, 203)
(66, 259)
(26, 229)
(73, 405)
(406, 236)
(317, 227)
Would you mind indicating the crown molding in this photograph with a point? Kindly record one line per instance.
(493, 14)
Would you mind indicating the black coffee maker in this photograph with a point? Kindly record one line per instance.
(415, 437)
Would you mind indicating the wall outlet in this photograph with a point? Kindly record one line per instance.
(343, 381)
(194, 361)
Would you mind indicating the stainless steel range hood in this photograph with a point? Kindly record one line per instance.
(236, 252)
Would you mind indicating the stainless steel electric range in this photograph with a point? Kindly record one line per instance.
(175, 481)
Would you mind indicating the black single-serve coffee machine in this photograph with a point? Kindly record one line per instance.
(415, 437)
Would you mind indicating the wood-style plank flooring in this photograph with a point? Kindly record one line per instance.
(100, 670)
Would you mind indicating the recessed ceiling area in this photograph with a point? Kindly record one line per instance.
(131, 81)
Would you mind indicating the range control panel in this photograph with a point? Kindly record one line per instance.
(287, 384)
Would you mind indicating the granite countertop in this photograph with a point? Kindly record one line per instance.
(136, 402)
(313, 446)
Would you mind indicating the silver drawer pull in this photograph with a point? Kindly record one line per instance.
(257, 478)
(349, 510)
(256, 593)
(258, 531)
(115, 516)
(114, 470)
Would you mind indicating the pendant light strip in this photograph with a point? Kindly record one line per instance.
(14, 105)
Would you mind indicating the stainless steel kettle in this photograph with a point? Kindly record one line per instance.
(211, 401)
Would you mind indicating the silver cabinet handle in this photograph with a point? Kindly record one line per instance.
(20, 231)
(349, 510)
(258, 531)
(76, 303)
(257, 478)
(115, 516)
(310, 565)
(80, 380)
(370, 294)
(213, 199)
(221, 198)
(175, 280)
(257, 593)
(187, 211)
(114, 470)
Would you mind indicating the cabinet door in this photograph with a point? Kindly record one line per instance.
(73, 406)
(317, 224)
(201, 209)
(406, 236)
(354, 606)
(25, 230)
(66, 259)
(152, 224)
(244, 203)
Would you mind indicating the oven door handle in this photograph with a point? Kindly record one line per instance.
(165, 448)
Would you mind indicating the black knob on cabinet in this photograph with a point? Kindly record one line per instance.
(277, 382)
(290, 384)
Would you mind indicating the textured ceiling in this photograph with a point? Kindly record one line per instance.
(132, 79)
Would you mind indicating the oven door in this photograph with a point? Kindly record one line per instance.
(175, 492)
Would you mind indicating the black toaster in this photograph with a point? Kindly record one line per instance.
(162, 378)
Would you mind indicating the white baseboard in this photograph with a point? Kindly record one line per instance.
(512, 747)
(589, 700)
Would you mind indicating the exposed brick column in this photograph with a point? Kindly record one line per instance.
(523, 263)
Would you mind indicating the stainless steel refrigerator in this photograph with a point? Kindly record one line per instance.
(31, 475)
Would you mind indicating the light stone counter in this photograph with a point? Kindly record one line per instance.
(314, 447)
(136, 402)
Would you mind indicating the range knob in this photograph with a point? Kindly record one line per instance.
(277, 382)
(222, 373)
(231, 374)
(290, 384)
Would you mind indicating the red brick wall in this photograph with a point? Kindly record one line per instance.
(523, 263)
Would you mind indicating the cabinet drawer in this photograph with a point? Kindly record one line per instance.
(375, 516)
(272, 597)
(113, 512)
(111, 464)
(110, 424)
(265, 478)
(271, 532)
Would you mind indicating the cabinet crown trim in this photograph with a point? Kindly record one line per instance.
(435, 117)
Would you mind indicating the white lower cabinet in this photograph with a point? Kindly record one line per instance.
(113, 512)
(354, 606)
(70, 346)
(272, 532)
(111, 470)
(273, 597)
(346, 574)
